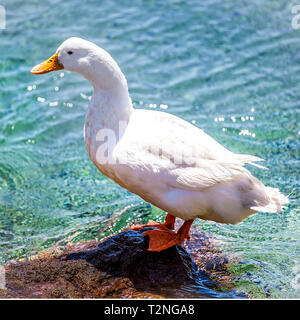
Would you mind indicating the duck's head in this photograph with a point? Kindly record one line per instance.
(89, 60)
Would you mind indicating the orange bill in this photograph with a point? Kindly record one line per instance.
(49, 65)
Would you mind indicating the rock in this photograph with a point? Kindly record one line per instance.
(122, 267)
(126, 255)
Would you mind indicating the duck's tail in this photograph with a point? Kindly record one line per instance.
(276, 201)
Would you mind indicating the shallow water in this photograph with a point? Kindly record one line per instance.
(229, 67)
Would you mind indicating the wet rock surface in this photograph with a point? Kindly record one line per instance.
(122, 267)
(126, 255)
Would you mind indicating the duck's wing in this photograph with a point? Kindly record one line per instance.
(206, 174)
(171, 132)
(178, 153)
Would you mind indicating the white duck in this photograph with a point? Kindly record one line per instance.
(160, 157)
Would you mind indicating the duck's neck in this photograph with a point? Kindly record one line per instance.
(112, 109)
(110, 102)
(109, 110)
(106, 120)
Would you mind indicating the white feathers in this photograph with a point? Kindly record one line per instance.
(162, 158)
(276, 201)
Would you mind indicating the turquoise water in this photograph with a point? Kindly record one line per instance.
(230, 67)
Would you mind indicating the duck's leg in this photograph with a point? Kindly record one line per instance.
(169, 224)
(161, 239)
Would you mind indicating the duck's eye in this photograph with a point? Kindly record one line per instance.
(70, 52)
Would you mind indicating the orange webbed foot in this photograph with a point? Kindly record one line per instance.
(169, 224)
(162, 239)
